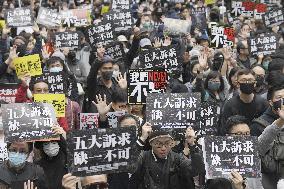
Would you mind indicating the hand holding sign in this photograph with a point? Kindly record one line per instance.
(69, 181)
(57, 130)
(237, 180)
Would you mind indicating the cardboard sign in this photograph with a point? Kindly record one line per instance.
(89, 120)
(101, 151)
(222, 36)
(76, 17)
(209, 2)
(115, 50)
(8, 92)
(2, 24)
(120, 4)
(30, 64)
(57, 100)
(113, 118)
(122, 20)
(19, 17)
(265, 43)
(172, 111)
(105, 9)
(101, 34)
(223, 154)
(49, 17)
(28, 121)
(200, 15)
(248, 9)
(160, 58)
(176, 26)
(273, 18)
(142, 82)
(67, 39)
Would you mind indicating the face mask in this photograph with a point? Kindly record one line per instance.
(115, 74)
(107, 75)
(214, 86)
(17, 159)
(56, 69)
(247, 88)
(265, 64)
(277, 105)
(259, 81)
(51, 149)
(22, 50)
(71, 56)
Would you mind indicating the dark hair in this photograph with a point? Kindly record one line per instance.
(30, 146)
(35, 80)
(232, 121)
(119, 96)
(213, 75)
(240, 45)
(218, 183)
(275, 78)
(271, 91)
(179, 88)
(233, 71)
(276, 64)
(129, 116)
(245, 71)
(54, 59)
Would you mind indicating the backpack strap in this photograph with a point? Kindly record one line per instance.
(261, 121)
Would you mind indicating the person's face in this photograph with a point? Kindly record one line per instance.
(19, 42)
(278, 95)
(107, 67)
(244, 50)
(246, 79)
(115, 67)
(162, 146)
(240, 130)
(119, 106)
(21, 147)
(246, 29)
(41, 88)
(259, 71)
(204, 43)
(234, 80)
(137, 108)
(185, 13)
(128, 123)
(55, 64)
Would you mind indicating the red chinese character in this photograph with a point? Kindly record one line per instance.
(249, 6)
(230, 33)
(261, 7)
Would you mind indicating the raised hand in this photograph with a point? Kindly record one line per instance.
(102, 106)
(69, 181)
(146, 130)
(45, 53)
(167, 41)
(29, 185)
(122, 81)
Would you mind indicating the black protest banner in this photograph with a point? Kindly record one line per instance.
(115, 50)
(76, 17)
(248, 9)
(3, 151)
(28, 121)
(120, 4)
(141, 82)
(223, 154)
(102, 33)
(265, 43)
(222, 36)
(273, 18)
(49, 17)
(122, 20)
(89, 120)
(172, 111)
(208, 119)
(160, 58)
(56, 82)
(19, 17)
(101, 151)
(113, 118)
(67, 39)
(200, 15)
(8, 92)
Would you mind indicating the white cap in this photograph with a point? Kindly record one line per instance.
(121, 38)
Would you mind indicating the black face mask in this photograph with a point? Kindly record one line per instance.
(277, 104)
(22, 50)
(259, 81)
(71, 55)
(247, 88)
(107, 75)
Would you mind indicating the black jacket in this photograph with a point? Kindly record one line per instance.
(175, 172)
(7, 77)
(29, 172)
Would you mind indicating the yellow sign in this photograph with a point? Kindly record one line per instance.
(28, 65)
(2, 24)
(209, 2)
(57, 100)
(105, 9)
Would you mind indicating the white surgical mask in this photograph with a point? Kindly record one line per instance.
(51, 148)
(56, 69)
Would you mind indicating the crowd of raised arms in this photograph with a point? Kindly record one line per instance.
(141, 94)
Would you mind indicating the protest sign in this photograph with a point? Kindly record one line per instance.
(101, 33)
(223, 154)
(67, 39)
(172, 111)
(105, 9)
(222, 36)
(76, 17)
(30, 64)
(56, 82)
(200, 15)
(101, 151)
(115, 50)
(28, 121)
(3, 150)
(122, 20)
(208, 119)
(160, 58)
(89, 120)
(57, 100)
(142, 82)
(209, 2)
(19, 17)
(265, 43)
(273, 18)
(2, 24)
(8, 92)
(248, 9)
(113, 118)
(120, 4)
(49, 17)
(176, 26)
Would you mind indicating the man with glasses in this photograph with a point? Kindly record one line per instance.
(161, 167)
(246, 103)
(243, 59)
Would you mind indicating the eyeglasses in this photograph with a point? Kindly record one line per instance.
(160, 144)
(247, 81)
